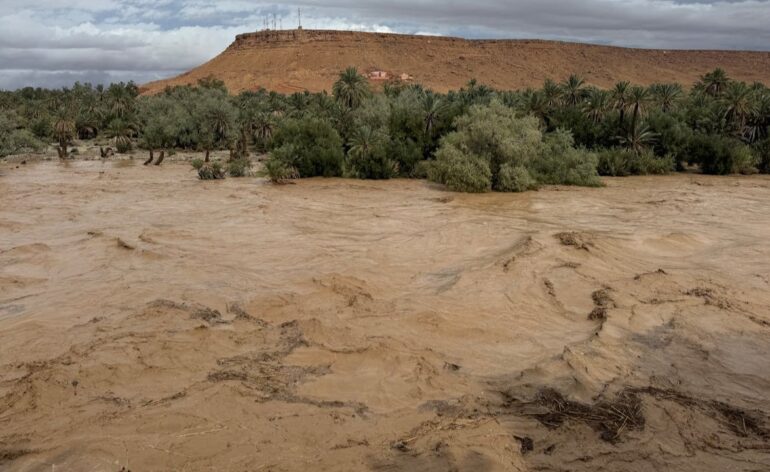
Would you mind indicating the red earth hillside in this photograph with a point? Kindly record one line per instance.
(298, 60)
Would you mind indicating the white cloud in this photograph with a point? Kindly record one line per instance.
(44, 41)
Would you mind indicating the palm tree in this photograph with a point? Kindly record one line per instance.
(121, 131)
(264, 124)
(620, 95)
(363, 141)
(351, 89)
(638, 137)
(714, 82)
(536, 104)
(573, 91)
(758, 122)
(597, 105)
(637, 99)
(552, 93)
(433, 107)
(738, 101)
(121, 101)
(666, 95)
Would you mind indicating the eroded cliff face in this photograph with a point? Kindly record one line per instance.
(297, 60)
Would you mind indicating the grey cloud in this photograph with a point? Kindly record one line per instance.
(43, 44)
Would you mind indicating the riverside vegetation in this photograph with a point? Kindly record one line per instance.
(475, 139)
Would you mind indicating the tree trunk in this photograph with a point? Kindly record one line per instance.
(207, 155)
(62, 150)
(161, 157)
(150, 159)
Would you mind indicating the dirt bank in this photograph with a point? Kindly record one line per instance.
(155, 322)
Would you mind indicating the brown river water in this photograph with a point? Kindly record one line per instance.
(150, 322)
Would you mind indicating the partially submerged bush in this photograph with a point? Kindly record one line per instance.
(515, 179)
(309, 145)
(15, 140)
(279, 171)
(560, 163)
(239, 167)
(460, 172)
(19, 141)
(208, 170)
(619, 162)
(493, 149)
(762, 156)
(719, 155)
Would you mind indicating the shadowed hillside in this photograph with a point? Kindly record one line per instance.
(297, 60)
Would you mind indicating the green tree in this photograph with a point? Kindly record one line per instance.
(351, 88)
(307, 147)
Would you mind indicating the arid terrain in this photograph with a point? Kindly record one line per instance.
(291, 61)
(151, 322)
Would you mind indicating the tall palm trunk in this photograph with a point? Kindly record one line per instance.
(62, 149)
(150, 159)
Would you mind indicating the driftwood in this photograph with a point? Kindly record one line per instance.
(106, 152)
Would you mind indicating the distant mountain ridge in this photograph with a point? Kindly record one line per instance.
(297, 60)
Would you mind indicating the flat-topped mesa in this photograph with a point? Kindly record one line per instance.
(263, 37)
(296, 60)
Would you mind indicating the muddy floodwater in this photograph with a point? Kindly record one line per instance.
(153, 322)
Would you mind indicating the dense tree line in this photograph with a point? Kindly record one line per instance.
(473, 139)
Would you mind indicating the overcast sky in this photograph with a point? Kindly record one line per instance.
(57, 42)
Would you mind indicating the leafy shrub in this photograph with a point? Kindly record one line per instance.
(560, 163)
(278, 171)
(19, 141)
(421, 170)
(619, 162)
(744, 161)
(460, 172)
(310, 146)
(614, 162)
(493, 149)
(239, 167)
(208, 170)
(720, 155)
(762, 156)
(515, 179)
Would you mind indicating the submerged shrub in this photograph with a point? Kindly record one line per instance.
(493, 149)
(515, 179)
(460, 172)
(614, 162)
(278, 171)
(762, 156)
(720, 155)
(208, 170)
(239, 167)
(560, 163)
(309, 145)
(619, 162)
